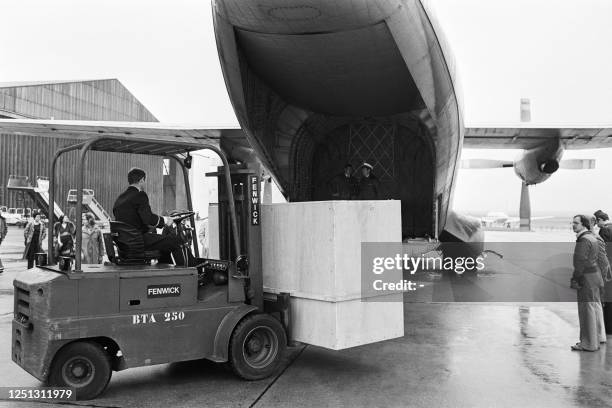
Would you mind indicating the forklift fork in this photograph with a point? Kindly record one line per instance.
(280, 303)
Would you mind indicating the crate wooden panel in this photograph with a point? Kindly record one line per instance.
(349, 323)
(314, 247)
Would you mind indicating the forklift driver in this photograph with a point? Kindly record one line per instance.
(132, 207)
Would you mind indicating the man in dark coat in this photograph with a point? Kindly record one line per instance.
(588, 282)
(605, 232)
(605, 227)
(344, 186)
(132, 207)
(368, 184)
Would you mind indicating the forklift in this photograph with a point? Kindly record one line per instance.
(75, 323)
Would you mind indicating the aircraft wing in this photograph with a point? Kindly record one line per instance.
(232, 139)
(526, 136)
(83, 129)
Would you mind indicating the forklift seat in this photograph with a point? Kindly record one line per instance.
(130, 245)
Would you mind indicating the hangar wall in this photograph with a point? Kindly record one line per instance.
(106, 173)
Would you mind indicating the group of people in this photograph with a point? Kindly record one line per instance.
(591, 273)
(131, 207)
(64, 235)
(345, 186)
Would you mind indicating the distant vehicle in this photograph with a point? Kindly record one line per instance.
(23, 216)
(17, 216)
(12, 217)
(499, 219)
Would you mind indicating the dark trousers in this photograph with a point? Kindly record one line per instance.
(31, 260)
(607, 312)
(606, 302)
(166, 245)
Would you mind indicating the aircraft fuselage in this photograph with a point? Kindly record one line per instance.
(317, 84)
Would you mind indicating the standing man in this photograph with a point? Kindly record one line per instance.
(344, 186)
(605, 232)
(588, 282)
(132, 207)
(368, 184)
(605, 227)
(3, 232)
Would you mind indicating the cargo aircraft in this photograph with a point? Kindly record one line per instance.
(317, 83)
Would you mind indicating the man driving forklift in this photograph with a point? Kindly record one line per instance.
(132, 207)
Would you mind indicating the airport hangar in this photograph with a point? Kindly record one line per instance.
(88, 100)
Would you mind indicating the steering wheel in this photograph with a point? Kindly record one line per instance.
(179, 216)
(183, 231)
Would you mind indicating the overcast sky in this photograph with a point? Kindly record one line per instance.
(555, 52)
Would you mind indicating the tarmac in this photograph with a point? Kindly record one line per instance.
(453, 354)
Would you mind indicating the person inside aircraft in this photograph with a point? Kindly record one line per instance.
(132, 207)
(368, 183)
(344, 186)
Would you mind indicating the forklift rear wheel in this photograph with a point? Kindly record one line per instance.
(257, 346)
(85, 366)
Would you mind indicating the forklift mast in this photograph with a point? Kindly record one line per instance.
(247, 197)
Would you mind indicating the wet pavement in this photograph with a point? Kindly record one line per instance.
(452, 355)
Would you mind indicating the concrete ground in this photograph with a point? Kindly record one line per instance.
(452, 355)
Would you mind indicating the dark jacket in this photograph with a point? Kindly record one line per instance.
(369, 188)
(606, 233)
(343, 188)
(3, 228)
(586, 268)
(132, 207)
(603, 260)
(28, 234)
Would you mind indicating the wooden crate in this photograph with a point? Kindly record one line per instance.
(313, 251)
(348, 323)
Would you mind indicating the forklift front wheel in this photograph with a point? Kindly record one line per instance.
(257, 346)
(85, 366)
